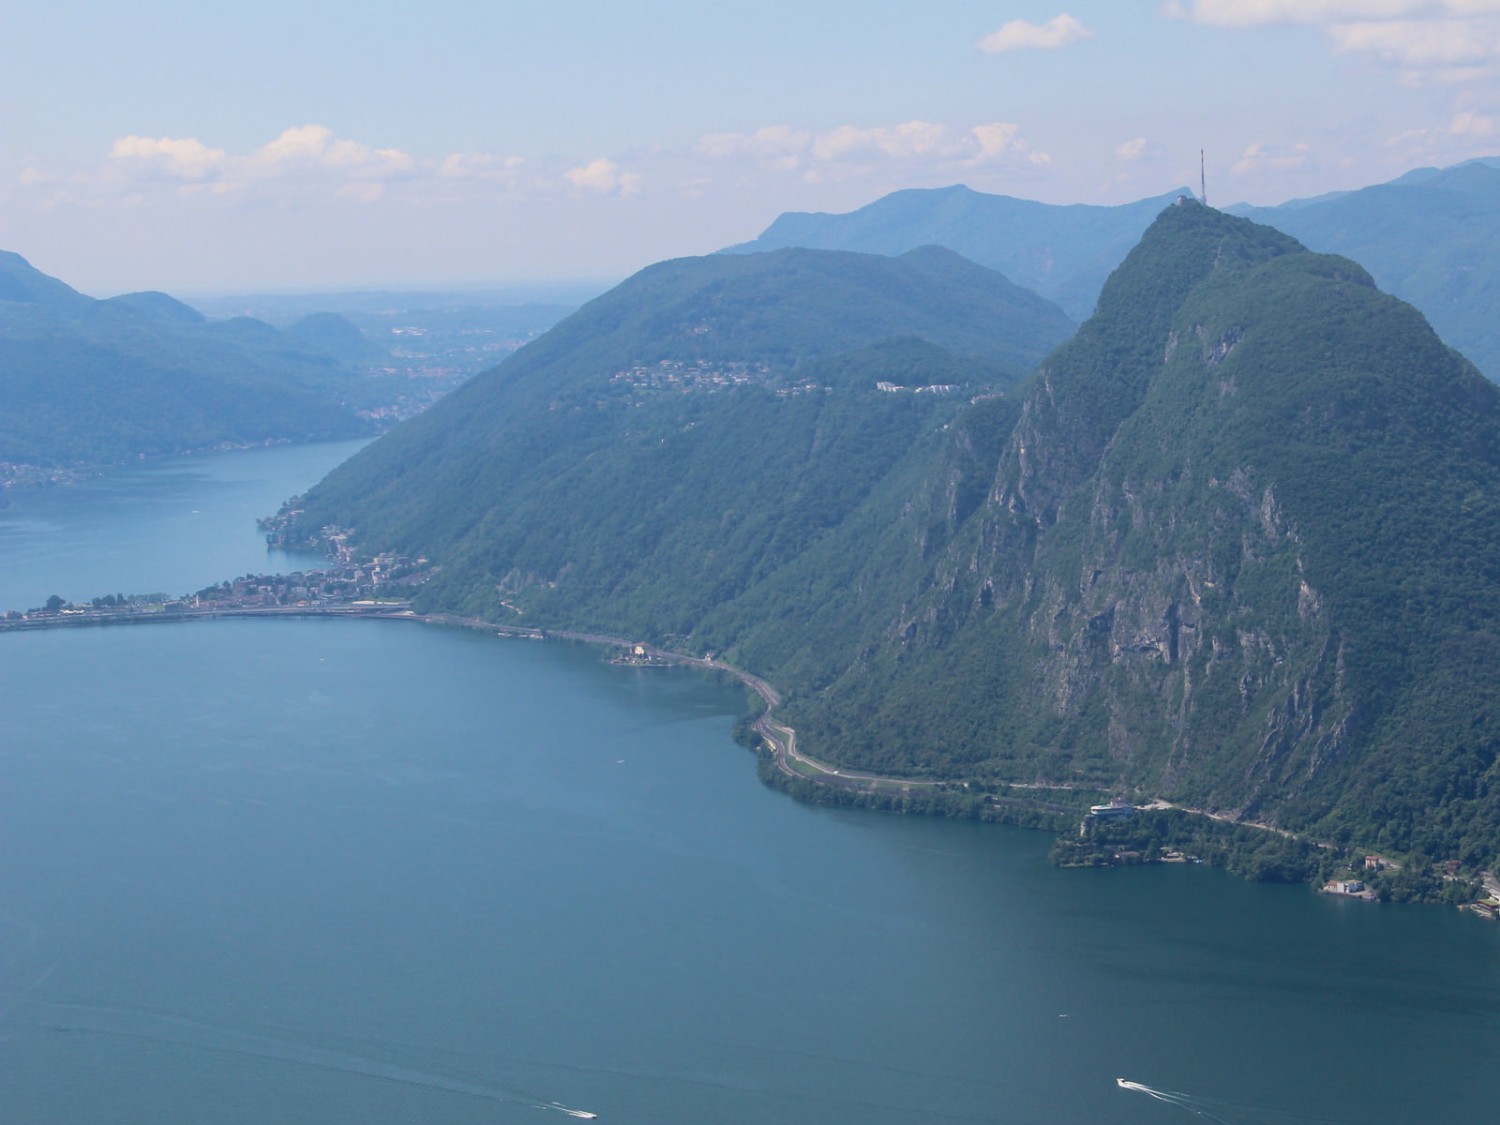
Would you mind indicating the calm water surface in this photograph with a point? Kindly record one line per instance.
(164, 527)
(375, 872)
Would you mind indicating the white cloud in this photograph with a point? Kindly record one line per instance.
(1260, 157)
(314, 148)
(302, 162)
(772, 142)
(304, 143)
(184, 157)
(300, 152)
(1262, 13)
(1131, 150)
(311, 163)
(604, 176)
(914, 143)
(1468, 134)
(1062, 30)
(1421, 44)
(903, 142)
(1470, 124)
(1430, 42)
(480, 166)
(995, 139)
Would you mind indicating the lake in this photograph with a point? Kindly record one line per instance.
(167, 527)
(379, 872)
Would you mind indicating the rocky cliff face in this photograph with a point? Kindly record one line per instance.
(1187, 577)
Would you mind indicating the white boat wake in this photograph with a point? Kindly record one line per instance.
(164, 1027)
(570, 1112)
(1211, 1109)
(1171, 1097)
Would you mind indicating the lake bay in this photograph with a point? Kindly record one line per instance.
(328, 871)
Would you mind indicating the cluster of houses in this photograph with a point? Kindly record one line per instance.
(1356, 887)
(929, 389)
(385, 577)
(15, 474)
(699, 376)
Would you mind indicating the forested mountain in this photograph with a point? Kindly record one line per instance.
(1239, 549)
(1425, 237)
(1235, 543)
(426, 342)
(1063, 253)
(88, 383)
(664, 448)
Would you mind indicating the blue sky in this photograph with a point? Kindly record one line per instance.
(207, 148)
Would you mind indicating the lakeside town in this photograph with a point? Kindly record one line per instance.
(383, 583)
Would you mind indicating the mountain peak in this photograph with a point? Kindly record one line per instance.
(1198, 533)
(22, 282)
(1062, 253)
(154, 305)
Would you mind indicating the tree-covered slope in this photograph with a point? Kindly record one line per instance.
(787, 307)
(1428, 237)
(668, 446)
(86, 382)
(1239, 549)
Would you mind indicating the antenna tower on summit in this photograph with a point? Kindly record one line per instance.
(1202, 181)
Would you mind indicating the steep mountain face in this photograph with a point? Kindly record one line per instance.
(86, 382)
(678, 440)
(1239, 549)
(1063, 253)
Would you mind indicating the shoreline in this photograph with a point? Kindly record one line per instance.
(778, 736)
(794, 768)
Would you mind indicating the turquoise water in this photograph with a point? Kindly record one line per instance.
(323, 871)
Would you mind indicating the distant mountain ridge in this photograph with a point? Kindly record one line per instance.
(1062, 253)
(1427, 237)
(86, 383)
(22, 283)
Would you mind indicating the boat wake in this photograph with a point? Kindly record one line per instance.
(1220, 1112)
(570, 1112)
(163, 1027)
(1172, 1097)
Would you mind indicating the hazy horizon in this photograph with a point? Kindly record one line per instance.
(340, 147)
